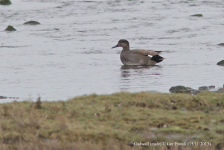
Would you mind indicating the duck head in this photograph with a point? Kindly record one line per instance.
(122, 43)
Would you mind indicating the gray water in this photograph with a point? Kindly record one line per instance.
(70, 53)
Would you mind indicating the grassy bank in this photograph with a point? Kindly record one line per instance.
(115, 122)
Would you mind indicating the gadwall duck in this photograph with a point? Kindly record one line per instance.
(137, 56)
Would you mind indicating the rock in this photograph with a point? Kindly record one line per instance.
(13, 97)
(197, 15)
(211, 87)
(221, 63)
(3, 97)
(183, 89)
(32, 23)
(220, 90)
(203, 88)
(152, 91)
(5, 2)
(10, 28)
(180, 89)
(206, 88)
(221, 44)
(194, 92)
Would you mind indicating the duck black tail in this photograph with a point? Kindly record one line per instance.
(157, 58)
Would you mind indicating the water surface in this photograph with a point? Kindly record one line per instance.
(70, 53)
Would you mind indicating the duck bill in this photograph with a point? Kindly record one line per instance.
(115, 46)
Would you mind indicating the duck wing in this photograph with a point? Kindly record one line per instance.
(145, 52)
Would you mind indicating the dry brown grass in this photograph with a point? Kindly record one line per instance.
(114, 122)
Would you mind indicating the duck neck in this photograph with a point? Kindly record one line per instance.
(126, 48)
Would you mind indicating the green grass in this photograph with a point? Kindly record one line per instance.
(114, 121)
